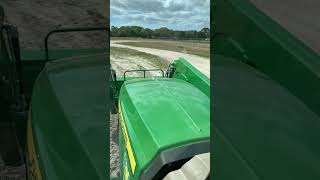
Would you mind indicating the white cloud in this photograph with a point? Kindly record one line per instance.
(175, 14)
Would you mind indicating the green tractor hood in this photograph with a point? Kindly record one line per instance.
(68, 120)
(165, 120)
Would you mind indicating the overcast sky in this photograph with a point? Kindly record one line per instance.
(174, 14)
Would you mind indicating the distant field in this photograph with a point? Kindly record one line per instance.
(125, 38)
(146, 39)
(125, 53)
(194, 47)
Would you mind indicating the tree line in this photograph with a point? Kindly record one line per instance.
(160, 33)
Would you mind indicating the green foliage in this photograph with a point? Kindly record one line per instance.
(161, 33)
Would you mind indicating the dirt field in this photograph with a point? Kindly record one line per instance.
(201, 63)
(198, 48)
(123, 59)
(35, 18)
(114, 146)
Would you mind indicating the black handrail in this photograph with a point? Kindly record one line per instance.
(142, 70)
(70, 30)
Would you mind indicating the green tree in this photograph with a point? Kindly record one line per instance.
(114, 31)
(206, 31)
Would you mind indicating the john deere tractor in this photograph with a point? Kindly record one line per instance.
(54, 106)
(165, 123)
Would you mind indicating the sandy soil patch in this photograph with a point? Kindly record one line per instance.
(202, 64)
(35, 18)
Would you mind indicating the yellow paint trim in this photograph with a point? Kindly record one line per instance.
(126, 173)
(127, 140)
(33, 165)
